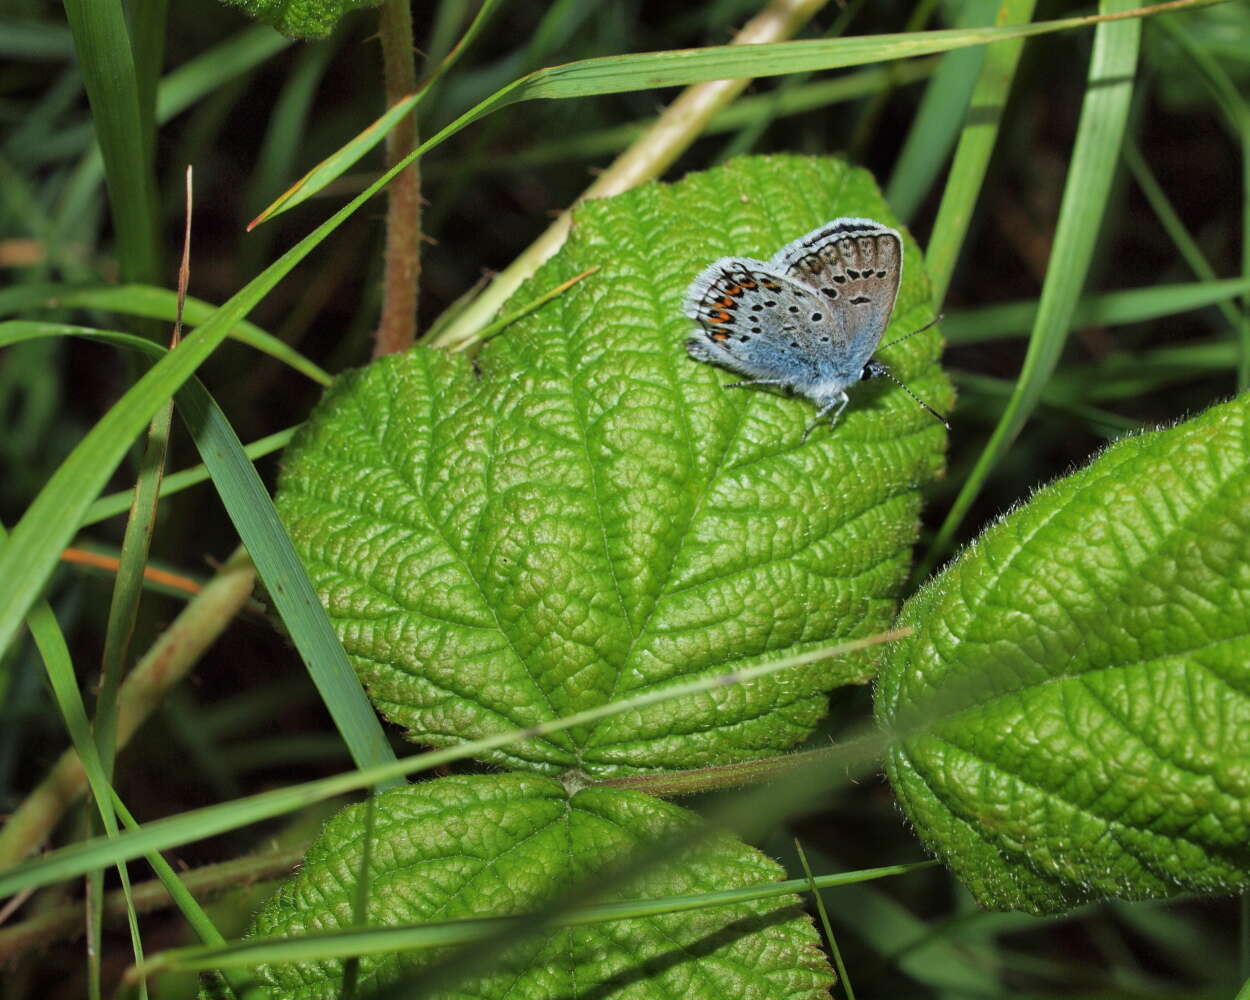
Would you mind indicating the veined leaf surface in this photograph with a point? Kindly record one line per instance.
(1071, 720)
(585, 513)
(507, 844)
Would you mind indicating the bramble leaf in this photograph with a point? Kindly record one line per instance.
(302, 18)
(1071, 720)
(510, 844)
(587, 513)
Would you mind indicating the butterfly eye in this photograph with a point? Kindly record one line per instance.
(869, 371)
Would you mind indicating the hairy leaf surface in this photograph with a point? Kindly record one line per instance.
(1071, 720)
(504, 844)
(586, 513)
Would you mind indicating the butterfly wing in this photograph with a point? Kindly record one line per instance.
(855, 266)
(756, 322)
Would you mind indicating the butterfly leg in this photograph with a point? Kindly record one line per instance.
(838, 405)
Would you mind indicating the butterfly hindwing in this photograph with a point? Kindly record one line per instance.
(755, 322)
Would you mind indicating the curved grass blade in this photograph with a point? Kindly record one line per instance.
(154, 303)
(338, 162)
(250, 509)
(1012, 319)
(972, 155)
(1104, 115)
(679, 67)
(75, 859)
(312, 947)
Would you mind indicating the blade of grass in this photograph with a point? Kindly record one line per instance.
(251, 511)
(739, 115)
(834, 950)
(54, 651)
(75, 859)
(374, 941)
(681, 67)
(116, 503)
(102, 45)
(1100, 132)
(938, 119)
(1236, 113)
(154, 303)
(1011, 319)
(972, 155)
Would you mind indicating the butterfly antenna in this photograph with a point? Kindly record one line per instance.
(932, 322)
(880, 369)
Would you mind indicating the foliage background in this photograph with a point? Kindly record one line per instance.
(264, 110)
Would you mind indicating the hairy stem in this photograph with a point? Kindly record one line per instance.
(397, 328)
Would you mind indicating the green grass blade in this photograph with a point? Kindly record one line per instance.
(154, 303)
(1237, 115)
(50, 521)
(676, 68)
(1104, 115)
(102, 44)
(972, 155)
(342, 159)
(250, 509)
(50, 642)
(339, 944)
(117, 503)
(75, 859)
(938, 119)
(1012, 319)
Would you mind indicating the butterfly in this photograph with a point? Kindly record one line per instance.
(808, 320)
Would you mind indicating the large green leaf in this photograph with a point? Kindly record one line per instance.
(587, 513)
(507, 844)
(1071, 719)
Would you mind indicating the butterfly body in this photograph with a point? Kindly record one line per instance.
(807, 320)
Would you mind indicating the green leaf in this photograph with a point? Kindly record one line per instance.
(302, 18)
(1071, 720)
(507, 844)
(588, 513)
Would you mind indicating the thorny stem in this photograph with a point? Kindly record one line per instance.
(397, 328)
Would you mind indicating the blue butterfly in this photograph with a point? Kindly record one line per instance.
(810, 319)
